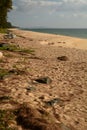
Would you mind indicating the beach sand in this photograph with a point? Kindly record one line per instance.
(55, 40)
(69, 76)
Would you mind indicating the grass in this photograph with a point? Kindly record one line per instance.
(17, 71)
(14, 48)
(6, 118)
(3, 73)
(26, 50)
(8, 55)
(3, 30)
(8, 47)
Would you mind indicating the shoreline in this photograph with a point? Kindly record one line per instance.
(53, 39)
(57, 31)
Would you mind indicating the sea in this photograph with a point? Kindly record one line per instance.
(80, 33)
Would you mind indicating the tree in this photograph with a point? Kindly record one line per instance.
(5, 7)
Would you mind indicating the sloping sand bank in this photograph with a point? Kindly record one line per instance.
(59, 58)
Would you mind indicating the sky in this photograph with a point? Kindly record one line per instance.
(49, 13)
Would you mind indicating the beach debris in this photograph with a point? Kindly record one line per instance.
(4, 98)
(61, 42)
(16, 71)
(1, 55)
(51, 43)
(31, 118)
(62, 58)
(3, 44)
(9, 35)
(53, 101)
(44, 80)
(42, 97)
(31, 88)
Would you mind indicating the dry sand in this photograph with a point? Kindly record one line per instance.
(69, 78)
(55, 40)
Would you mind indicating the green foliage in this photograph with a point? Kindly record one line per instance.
(9, 47)
(6, 3)
(6, 117)
(14, 48)
(30, 51)
(17, 70)
(3, 30)
(3, 73)
(5, 7)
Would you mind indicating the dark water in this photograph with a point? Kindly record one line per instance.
(81, 33)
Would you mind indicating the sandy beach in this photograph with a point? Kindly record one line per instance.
(61, 59)
(55, 40)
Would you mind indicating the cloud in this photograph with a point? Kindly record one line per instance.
(49, 13)
(48, 3)
(63, 5)
(73, 5)
(23, 5)
(75, 1)
(80, 15)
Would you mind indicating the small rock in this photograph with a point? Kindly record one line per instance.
(31, 89)
(62, 58)
(12, 71)
(9, 35)
(44, 80)
(53, 101)
(1, 55)
(42, 97)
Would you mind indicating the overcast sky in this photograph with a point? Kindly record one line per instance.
(49, 13)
